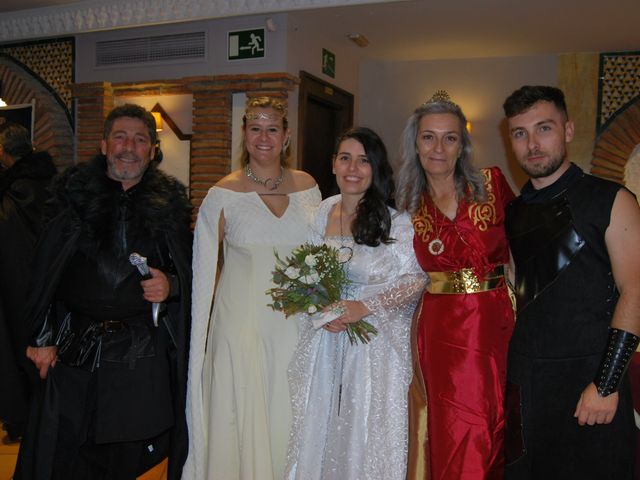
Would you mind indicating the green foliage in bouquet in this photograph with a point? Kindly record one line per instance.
(309, 280)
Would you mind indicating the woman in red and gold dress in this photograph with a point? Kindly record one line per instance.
(465, 318)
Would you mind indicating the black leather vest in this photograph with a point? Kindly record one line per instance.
(565, 288)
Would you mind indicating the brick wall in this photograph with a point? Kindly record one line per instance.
(93, 103)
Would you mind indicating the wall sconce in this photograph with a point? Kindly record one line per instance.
(158, 118)
(2, 102)
(468, 126)
(158, 111)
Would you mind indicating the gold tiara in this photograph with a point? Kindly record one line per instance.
(265, 102)
(262, 116)
(441, 96)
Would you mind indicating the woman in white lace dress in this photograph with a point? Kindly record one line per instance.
(238, 406)
(350, 401)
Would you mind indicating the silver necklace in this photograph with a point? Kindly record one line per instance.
(268, 183)
(345, 252)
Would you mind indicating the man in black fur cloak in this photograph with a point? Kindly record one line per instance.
(111, 344)
(24, 176)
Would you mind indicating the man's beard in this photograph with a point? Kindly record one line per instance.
(546, 169)
(120, 170)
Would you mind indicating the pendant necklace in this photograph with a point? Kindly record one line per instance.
(345, 252)
(268, 183)
(436, 246)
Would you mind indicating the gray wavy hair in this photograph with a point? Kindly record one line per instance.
(412, 181)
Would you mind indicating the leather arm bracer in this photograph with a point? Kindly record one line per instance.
(615, 360)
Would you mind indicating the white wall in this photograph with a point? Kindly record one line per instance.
(632, 172)
(238, 107)
(305, 42)
(390, 91)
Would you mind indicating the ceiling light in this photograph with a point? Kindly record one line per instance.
(358, 39)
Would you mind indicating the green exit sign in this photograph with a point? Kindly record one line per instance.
(246, 44)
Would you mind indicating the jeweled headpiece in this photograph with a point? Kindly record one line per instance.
(262, 116)
(265, 102)
(441, 96)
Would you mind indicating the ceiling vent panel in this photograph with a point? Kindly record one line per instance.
(163, 48)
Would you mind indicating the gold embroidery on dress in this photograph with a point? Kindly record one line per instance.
(484, 214)
(423, 223)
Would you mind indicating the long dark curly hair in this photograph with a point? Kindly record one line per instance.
(372, 223)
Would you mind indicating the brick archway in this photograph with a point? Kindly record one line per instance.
(52, 130)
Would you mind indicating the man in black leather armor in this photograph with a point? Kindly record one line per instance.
(24, 176)
(575, 242)
(113, 402)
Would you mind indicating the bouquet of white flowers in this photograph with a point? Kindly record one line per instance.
(311, 279)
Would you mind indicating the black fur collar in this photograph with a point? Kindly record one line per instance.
(158, 204)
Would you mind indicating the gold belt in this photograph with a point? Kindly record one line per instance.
(465, 281)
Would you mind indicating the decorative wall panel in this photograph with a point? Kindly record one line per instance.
(619, 84)
(618, 122)
(52, 61)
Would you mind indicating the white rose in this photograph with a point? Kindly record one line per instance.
(310, 279)
(292, 272)
(310, 260)
(312, 309)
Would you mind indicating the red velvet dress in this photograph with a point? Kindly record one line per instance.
(462, 339)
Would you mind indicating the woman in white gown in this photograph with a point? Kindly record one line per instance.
(238, 406)
(350, 401)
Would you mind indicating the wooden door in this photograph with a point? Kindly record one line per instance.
(324, 112)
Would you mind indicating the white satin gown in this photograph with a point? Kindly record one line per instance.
(238, 406)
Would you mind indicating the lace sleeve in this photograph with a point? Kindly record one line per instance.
(403, 292)
(402, 295)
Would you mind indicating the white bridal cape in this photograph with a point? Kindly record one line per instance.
(238, 406)
(350, 414)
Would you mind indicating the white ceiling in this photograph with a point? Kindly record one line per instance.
(440, 29)
(15, 5)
